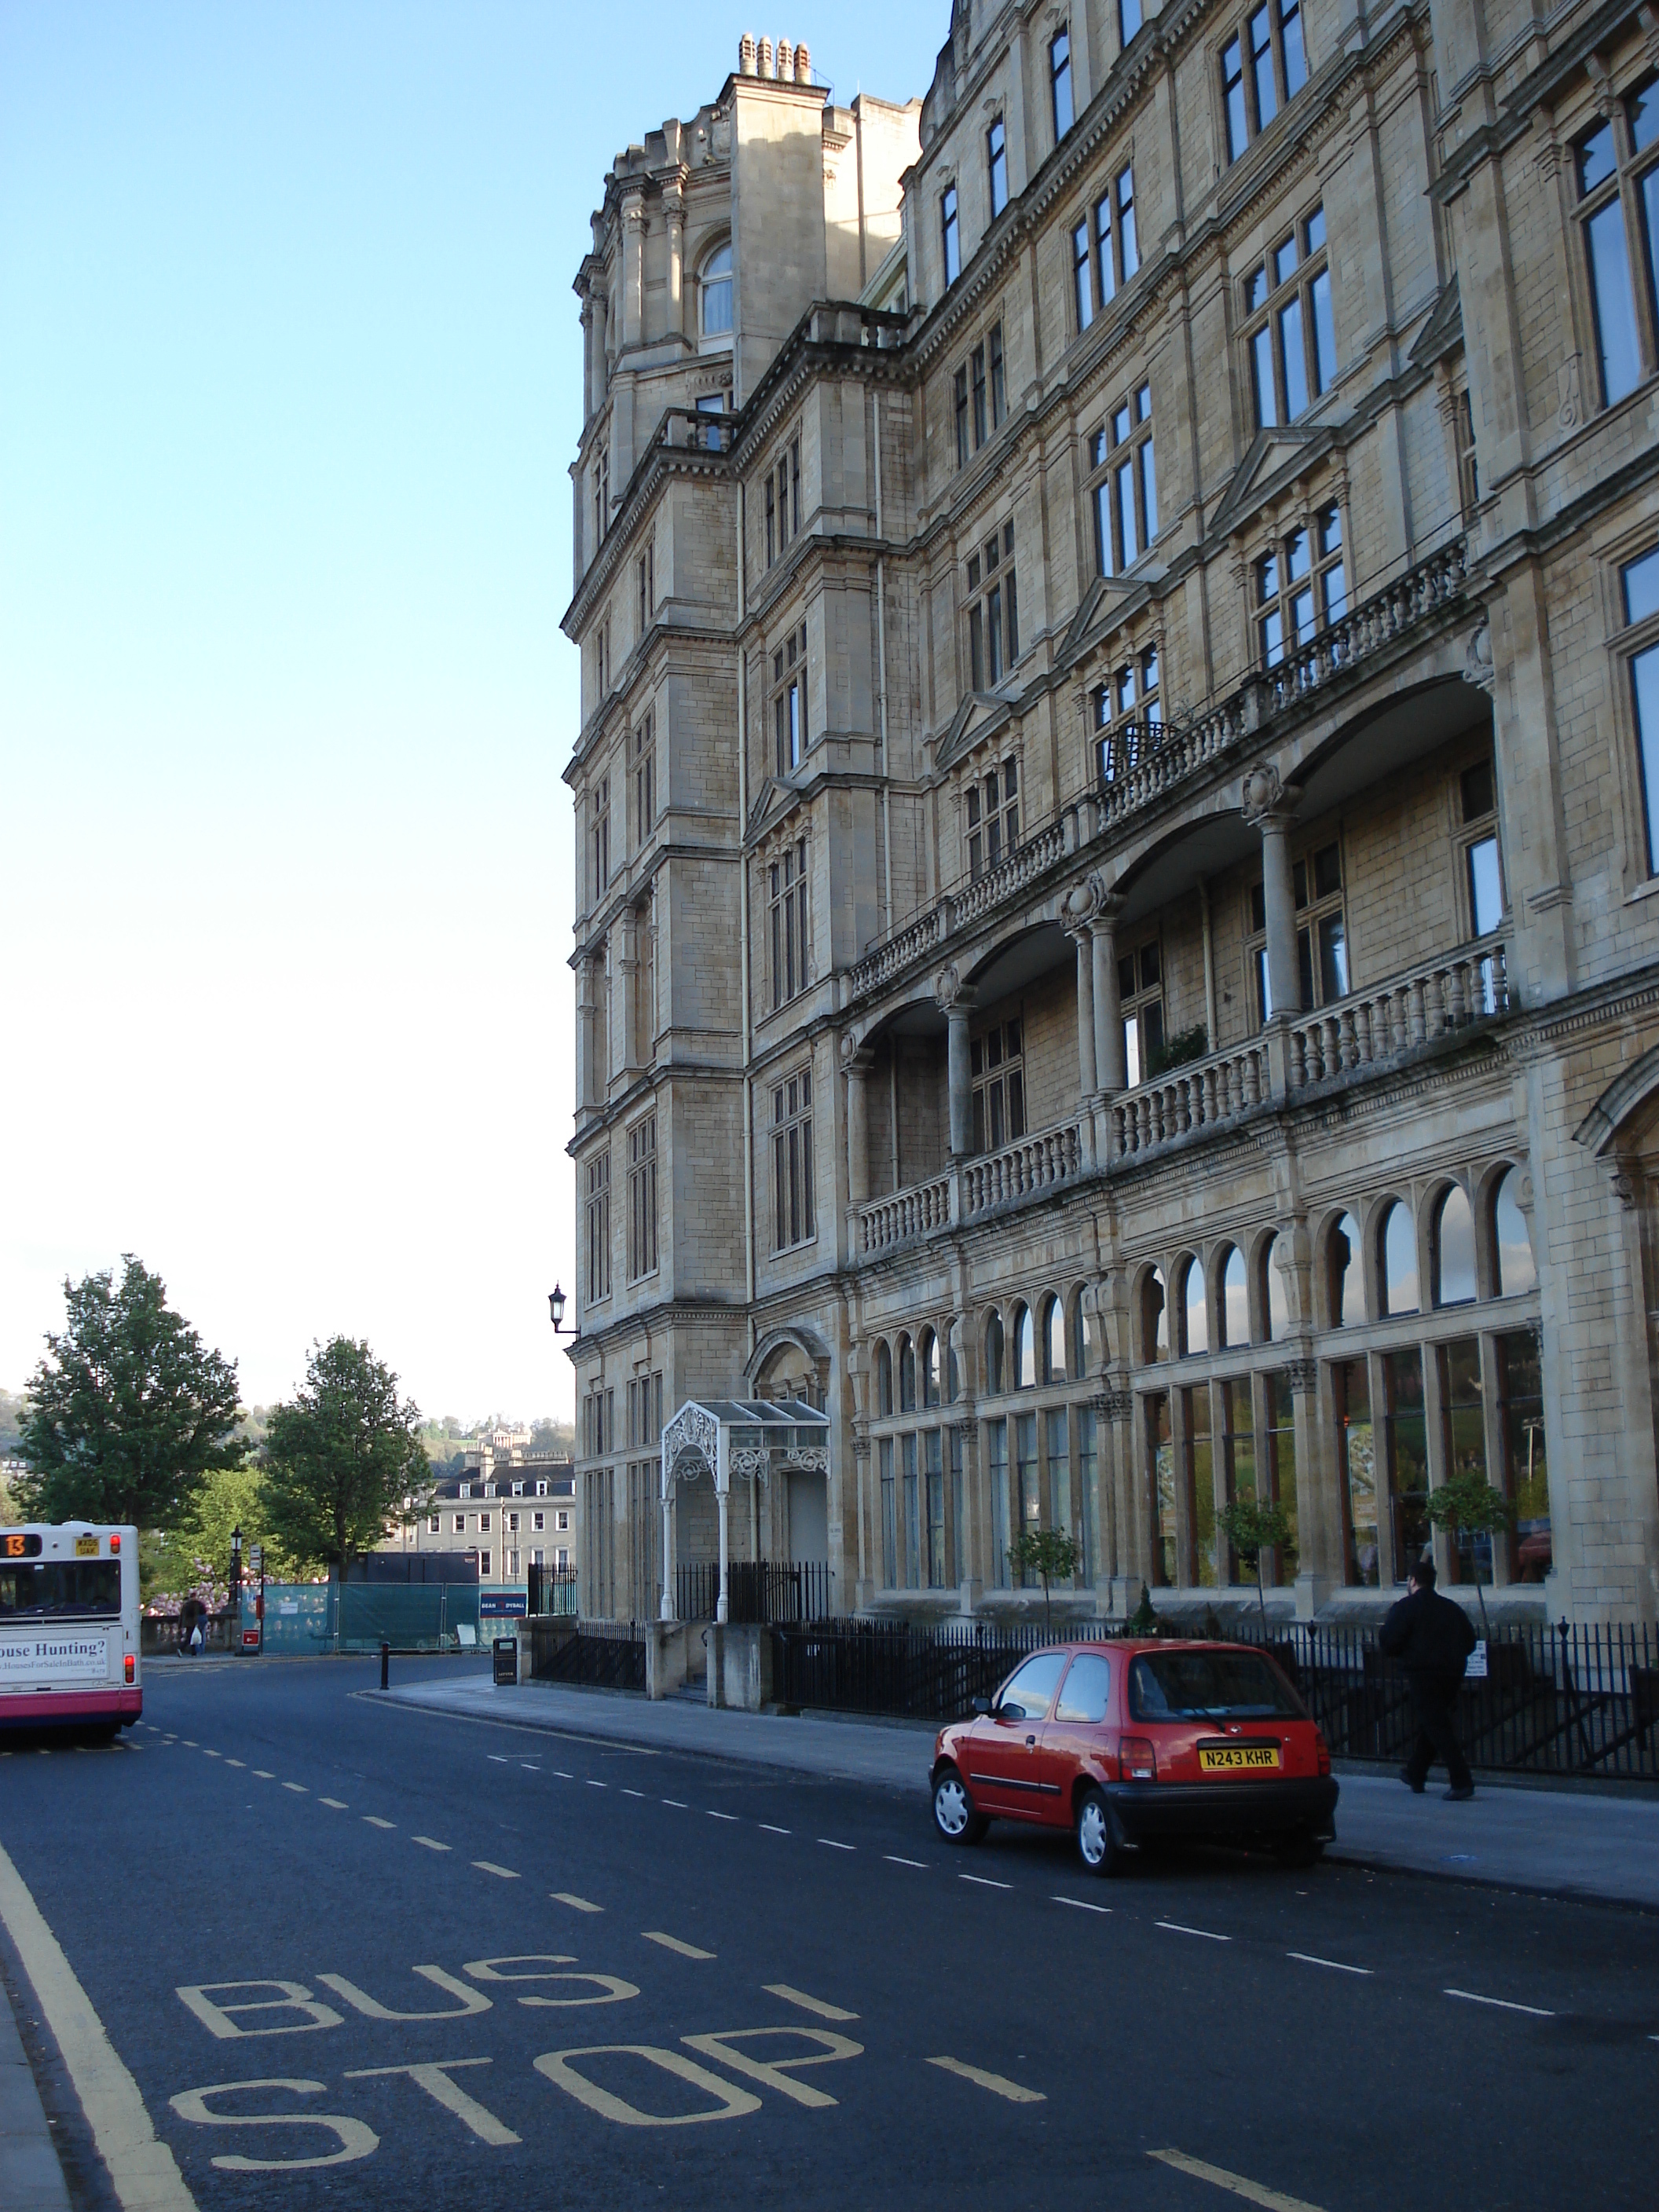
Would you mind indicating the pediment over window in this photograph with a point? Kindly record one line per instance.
(980, 715)
(1098, 611)
(1443, 333)
(1269, 457)
(771, 802)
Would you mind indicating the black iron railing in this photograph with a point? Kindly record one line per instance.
(1580, 1701)
(594, 1655)
(759, 1592)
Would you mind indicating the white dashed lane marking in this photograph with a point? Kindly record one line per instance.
(893, 1859)
(1337, 1966)
(773, 1830)
(830, 1843)
(489, 1866)
(297, 1787)
(235, 1762)
(633, 1793)
(428, 1842)
(338, 1803)
(794, 1996)
(679, 1803)
(1179, 1928)
(576, 1903)
(1079, 1904)
(998, 2084)
(983, 1882)
(1503, 2004)
(1239, 2184)
(722, 1816)
(673, 1943)
(374, 1821)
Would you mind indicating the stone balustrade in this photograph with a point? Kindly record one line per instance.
(1199, 1096)
(895, 1220)
(1035, 1164)
(1363, 1032)
(1413, 1009)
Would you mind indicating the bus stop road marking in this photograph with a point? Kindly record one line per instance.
(576, 1903)
(673, 1943)
(818, 2005)
(998, 2084)
(1240, 2185)
(489, 1866)
(428, 1842)
(144, 2170)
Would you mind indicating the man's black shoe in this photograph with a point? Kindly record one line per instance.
(1416, 1787)
(1456, 1797)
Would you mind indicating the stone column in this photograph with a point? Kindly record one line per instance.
(589, 381)
(584, 1083)
(673, 209)
(956, 1002)
(633, 301)
(1086, 1077)
(601, 337)
(858, 1065)
(1270, 807)
(629, 963)
(1109, 1069)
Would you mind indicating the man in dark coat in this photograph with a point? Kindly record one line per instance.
(1432, 1638)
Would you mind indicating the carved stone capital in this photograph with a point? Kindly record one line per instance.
(951, 992)
(1304, 1376)
(1477, 657)
(1264, 797)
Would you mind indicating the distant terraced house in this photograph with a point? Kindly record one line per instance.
(1117, 944)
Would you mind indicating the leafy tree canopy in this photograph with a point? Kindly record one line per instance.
(1252, 1526)
(192, 1558)
(128, 1412)
(344, 1461)
(1049, 1553)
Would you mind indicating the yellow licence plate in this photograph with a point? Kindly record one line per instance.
(1238, 1758)
(86, 1547)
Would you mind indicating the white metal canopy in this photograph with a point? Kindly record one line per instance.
(741, 1435)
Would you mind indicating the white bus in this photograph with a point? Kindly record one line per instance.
(69, 1627)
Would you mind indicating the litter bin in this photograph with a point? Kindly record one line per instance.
(505, 1649)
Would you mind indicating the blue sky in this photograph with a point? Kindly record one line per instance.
(290, 377)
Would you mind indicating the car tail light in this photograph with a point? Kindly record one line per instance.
(131, 1669)
(1321, 1751)
(1136, 1760)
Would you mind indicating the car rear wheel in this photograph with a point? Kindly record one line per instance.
(1301, 1847)
(953, 1810)
(1095, 1846)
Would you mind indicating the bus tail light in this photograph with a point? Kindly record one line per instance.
(131, 1669)
(114, 1545)
(1136, 1759)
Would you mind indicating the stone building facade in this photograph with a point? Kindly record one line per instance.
(1118, 918)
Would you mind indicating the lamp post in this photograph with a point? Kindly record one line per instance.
(556, 1309)
(236, 1586)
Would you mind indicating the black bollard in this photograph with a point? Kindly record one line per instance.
(385, 1666)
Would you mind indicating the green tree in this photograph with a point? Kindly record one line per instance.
(1253, 1526)
(1049, 1553)
(193, 1557)
(344, 1461)
(1466, 1504)
(128, 1412)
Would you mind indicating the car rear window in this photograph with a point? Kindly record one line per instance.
(1176, 1686)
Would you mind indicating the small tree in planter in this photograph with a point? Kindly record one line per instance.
(1049, 1553)
(1253, 1526)
(1466, 1503)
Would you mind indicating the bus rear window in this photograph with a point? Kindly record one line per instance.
(44, 1589)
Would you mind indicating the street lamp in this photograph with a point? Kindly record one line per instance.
(555, 1308)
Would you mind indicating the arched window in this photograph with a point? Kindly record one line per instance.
(953, 1368)
(994, 1357)
(1082, 1340)
(1155, 1316)
(1347, 1286)
(1396, 1244)
(884, 1378)
(1234, 1305)
(1511, 1241)
(1196, 1322)
(1024, 1350)
(930, 1366)
(907, 1379)
(715, 284)
(1053, 1341)
(1275, 1298)
(1452, 1246)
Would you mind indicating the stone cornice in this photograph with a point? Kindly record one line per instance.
(1540, 87)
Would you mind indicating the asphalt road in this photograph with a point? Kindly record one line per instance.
(629, 1975)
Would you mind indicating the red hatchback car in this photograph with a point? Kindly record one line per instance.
(1123, 1742)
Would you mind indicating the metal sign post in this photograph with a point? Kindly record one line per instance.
(253, 1639)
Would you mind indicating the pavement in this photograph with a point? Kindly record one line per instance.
(1555, 1843)
(497, 1943)
(31, 2178)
